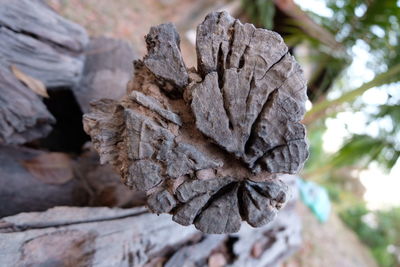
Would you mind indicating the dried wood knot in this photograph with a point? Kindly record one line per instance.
(208, 145)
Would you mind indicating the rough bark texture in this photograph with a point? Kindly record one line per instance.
(41, 43)
(66, 236)
(211, 148)
(23, 116)
(108, 68)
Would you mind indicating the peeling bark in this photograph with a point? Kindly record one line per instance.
(208, 146)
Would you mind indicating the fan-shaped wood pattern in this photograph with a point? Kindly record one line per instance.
(208, 145)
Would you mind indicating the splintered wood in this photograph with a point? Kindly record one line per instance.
(208, 145)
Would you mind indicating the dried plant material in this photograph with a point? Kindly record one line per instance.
(208, 145)
(34, 84)
(51, 168)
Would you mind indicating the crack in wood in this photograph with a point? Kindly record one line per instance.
(216, 159)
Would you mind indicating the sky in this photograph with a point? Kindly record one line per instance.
(381, 189)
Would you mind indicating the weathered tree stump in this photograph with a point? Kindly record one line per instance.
(44, 46)
(208, 145)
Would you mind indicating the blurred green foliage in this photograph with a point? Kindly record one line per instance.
(380, 230)
(373, 25)
(261, 12)
(376, 24)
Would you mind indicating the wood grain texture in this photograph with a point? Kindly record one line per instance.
(41, 43)
(23, 116)
(35, 180)
(71, 236)
(208, 145)
(23, 191)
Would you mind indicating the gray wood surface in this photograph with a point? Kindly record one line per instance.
(35, 180)
(107, 70)
(41, 43)
(23, 116)
(22, 191)
(68, 236)
(210, 149)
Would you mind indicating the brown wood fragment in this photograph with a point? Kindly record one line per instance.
(217, 260)
(237, 119)
(33, 84)
(51, 168)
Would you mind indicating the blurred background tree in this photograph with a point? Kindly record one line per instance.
(352, 51)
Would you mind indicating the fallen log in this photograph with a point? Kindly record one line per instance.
(103, 183)
(208, 145)
(87, 237)
(33, 180)
(67, 236)
(41, 43)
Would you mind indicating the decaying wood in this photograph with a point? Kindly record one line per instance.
(23, 116)
(31, 180)
(41, 43)
(208, 145)
(108, 68)
(69, 236)
(34, 180)
(87, 237)
(103, 184)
